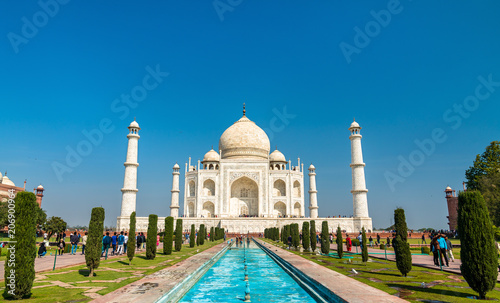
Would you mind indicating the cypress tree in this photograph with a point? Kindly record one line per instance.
(312, 235)
(202, 234)
(169, 235)
(212, 236)
(93, 249)
(305, 236)
(178, 235)
(364, 250)
(151, 240)
(282, 236)
(478, 252)
(22, 228)
(402, 248)
(131, 239)
(325, 242)
(192, 236)
(296, 235)
(340, 243)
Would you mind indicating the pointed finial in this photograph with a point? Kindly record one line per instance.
(244, 110)
(212, 147)
(354, 119)
(276, 147)
(134, 118)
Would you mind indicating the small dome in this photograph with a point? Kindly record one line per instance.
(211, 156)
(448, 188)
(134, 124)
(6, 181)
(40, 186)
(176, 166)
(277, 156)
(312, 167)
(354, 124)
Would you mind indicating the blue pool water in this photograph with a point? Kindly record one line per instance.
(224, 281)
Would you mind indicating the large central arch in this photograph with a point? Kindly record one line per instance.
(244, 198)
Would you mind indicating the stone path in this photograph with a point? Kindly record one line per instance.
(347, 288)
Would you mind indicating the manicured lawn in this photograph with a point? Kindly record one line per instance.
(111, 275)
(384, 275)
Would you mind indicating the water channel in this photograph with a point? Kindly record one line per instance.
(225, 280)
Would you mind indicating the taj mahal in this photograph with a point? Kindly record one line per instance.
(244, 187)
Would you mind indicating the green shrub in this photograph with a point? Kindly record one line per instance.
(340, 243)
(305, 236)
(325, 242)
(151, 239)
(312, 235)
(212, 236)
(478, 252)
(93, 248)
(131, 239)
(364, 252)
(192, 236)
(25, 253)
(425, 250)
(169, 234)
(67, 248)
(382, 246)
(178, 235)
(355, 242)
(202, 234)
(402, 248)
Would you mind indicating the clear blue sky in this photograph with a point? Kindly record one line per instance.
(414, 71)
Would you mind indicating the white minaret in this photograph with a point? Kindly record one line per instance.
(313, 193)
(360, 203)
(129, 190)
(174, 204)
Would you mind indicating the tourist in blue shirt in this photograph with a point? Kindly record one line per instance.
(113, 243)
(443, 249)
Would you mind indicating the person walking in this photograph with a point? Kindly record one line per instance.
(449, 249)
(125, 243)
(378, 239)
(143, 240)
(434, 249)
(423, 239)
(371, 242)
(120, 240)
(348, 243)
(443, 249)
(157, 240)
(106, 242)
(388, 242)
(113, 243)
(84, 242)
(138, 240)
(360, 239)
(74, 243)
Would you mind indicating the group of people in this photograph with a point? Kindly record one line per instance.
(441, 247)
(74, 239)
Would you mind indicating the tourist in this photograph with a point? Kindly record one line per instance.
(125, 243)
(360, 239)
(449, 250)
(120, 240)
(84, 242)
(348, 243)
(157, 240)
(138, 240)
(42, 250)
(443, 249)
(434, 249)
(317, 238)
(423, 239)
(371, 242)
(74, 243)
(61, 246)
(106, 242)
(143, 240)
(113, 243)
(378, 239)
(331, 239)
(388, 242)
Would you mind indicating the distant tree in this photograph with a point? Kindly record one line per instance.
(364, 250)
(22, 228)
(295, 235)
(54, 225)
(192, 236)
(151, 240)
(312, 235)
(94, 240)
(131, 239)
(212, 235)
(305, 236)
(485, 164)
(402, 248)
(489, 186)
(478, 253)
(325, 242)
(340, 243)
(41, 217)
(178, 235)
(169, 235)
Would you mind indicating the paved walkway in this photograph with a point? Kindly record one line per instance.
(152, 287)
(343, 286)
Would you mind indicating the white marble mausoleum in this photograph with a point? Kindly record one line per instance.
(244, 187)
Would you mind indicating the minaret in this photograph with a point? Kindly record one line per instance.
(39, 194)
(313, 193)
(360, 203)
(129, 190)
(174, 204)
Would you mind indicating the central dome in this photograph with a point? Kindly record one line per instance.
(244, 139)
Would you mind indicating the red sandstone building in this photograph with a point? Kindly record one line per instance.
(6, 184)
(452, 200)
